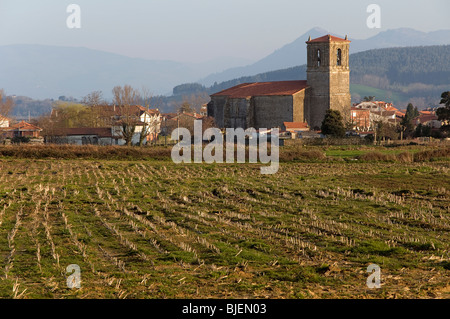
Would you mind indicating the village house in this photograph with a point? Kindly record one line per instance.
(360, 119)
(24, 129)
(18, 130)
(428, 118)
(171, 121)
(84, 136)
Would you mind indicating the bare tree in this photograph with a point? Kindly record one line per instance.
(192, 103)
(125, 99)
(94, 101)
(6, 104)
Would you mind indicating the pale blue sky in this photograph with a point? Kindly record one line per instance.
(198, 30)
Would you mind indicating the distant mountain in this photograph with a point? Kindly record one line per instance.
(294, 54)
(399, 75)
(291, 54)
(43, 72)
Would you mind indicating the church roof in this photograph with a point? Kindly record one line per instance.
(328, 38)
(263, 89)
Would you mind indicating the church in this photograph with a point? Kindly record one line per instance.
(270, 104)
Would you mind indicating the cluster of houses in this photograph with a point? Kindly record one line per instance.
(365, 115)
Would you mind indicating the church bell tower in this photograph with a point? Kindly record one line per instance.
(328, 76)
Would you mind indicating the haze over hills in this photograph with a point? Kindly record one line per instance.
(43, 72)
(294, 53)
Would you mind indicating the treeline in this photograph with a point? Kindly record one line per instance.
(25, 107)
(427, 65)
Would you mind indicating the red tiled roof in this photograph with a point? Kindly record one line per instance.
(328, 38)
(391, 108)
(24, 126)
(99, 131)
(426, 118)
(294, 125)
(263, 89)
(150, 111)
(169, 115)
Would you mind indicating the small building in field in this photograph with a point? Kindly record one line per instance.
(83, 136)
(24, 129)
(295, 126)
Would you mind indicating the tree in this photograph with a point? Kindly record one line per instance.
(443, 112)
(185, 107)
(94, 100)
(333, 124)
(68, 114)
(407, 125)
(369, 98)
(125, 98)
(6, 104)
(422, 130)
(385, 130)
(412, 111)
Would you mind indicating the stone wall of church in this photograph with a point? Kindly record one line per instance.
(272, 111)
(215, 109)
(257, 112)
(238, 112)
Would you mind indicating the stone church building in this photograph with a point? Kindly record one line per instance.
(270, 104)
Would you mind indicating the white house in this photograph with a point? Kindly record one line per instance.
(4, 122)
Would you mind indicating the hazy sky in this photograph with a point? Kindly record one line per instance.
(198, 30)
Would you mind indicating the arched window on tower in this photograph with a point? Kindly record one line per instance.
(318, 58)
(339, 57)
